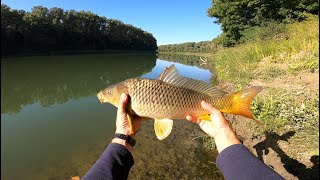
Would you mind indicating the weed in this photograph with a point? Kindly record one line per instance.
(206, 140)
(298, 110)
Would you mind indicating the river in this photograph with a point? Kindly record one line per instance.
(54, 127)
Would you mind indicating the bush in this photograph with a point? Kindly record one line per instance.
(262, 33)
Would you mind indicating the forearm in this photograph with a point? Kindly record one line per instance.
(123, 143)
(114, 163)
(224, 138)
(236, 162)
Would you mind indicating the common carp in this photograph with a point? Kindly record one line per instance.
(173, 96)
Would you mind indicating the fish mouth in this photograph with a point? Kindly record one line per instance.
(100, 97)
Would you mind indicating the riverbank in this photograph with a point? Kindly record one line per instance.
(288, 69)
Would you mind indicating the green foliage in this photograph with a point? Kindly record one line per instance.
(46, 30)
(237, 16)
(267, 32)
(196, 47)
(224, 40)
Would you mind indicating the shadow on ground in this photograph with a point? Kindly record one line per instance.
(293, 166)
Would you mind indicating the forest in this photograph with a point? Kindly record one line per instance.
(196, 47)
(48, 30)
(240, 20)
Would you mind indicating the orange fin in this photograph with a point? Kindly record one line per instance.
(205, 117)
(242, 101)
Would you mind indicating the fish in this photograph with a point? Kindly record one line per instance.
(173, 97)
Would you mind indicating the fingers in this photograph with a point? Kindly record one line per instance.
(214, 113)
(193, 119)
(216, 116)
(210, 108)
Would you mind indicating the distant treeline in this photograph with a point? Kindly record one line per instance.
(202, 46)
(242, 21)
(46, 30)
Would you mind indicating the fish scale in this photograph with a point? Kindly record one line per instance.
(160, 100)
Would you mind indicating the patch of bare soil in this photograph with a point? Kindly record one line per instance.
(302, 81)
(275, 149)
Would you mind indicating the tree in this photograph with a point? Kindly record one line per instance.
(237, 15)
(44, 30)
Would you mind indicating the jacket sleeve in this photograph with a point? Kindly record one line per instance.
(114, 163)
(236, 162)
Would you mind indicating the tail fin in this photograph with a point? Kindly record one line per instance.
(242, 101)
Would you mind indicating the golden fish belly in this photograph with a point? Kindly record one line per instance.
(159, 100)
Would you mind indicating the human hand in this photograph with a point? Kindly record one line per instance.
(218, 127)
(219, 121)
(122, 122)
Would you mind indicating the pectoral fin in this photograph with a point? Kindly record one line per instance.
(162, 128)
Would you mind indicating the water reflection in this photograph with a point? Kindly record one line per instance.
(58, 79)
(190, 60)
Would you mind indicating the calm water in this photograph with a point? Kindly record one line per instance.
(54, 127)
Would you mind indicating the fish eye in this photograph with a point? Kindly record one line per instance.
(109, 92)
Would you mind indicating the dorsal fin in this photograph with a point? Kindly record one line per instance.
(171, 76)
(163, 73)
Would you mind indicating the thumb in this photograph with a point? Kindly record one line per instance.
(122, 103)
(213, 111)
(216, 115)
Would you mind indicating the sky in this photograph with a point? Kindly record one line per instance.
(170, 21)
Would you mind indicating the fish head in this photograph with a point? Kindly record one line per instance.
(112, 93)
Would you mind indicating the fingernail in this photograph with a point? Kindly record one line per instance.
(203, 103)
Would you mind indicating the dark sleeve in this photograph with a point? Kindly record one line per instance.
(236, 162)
(114, 163)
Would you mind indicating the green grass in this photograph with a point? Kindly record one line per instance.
(269, 58)
(298, 110)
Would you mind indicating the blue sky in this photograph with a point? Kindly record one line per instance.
(170, 21)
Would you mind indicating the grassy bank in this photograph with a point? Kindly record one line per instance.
(288, 69)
